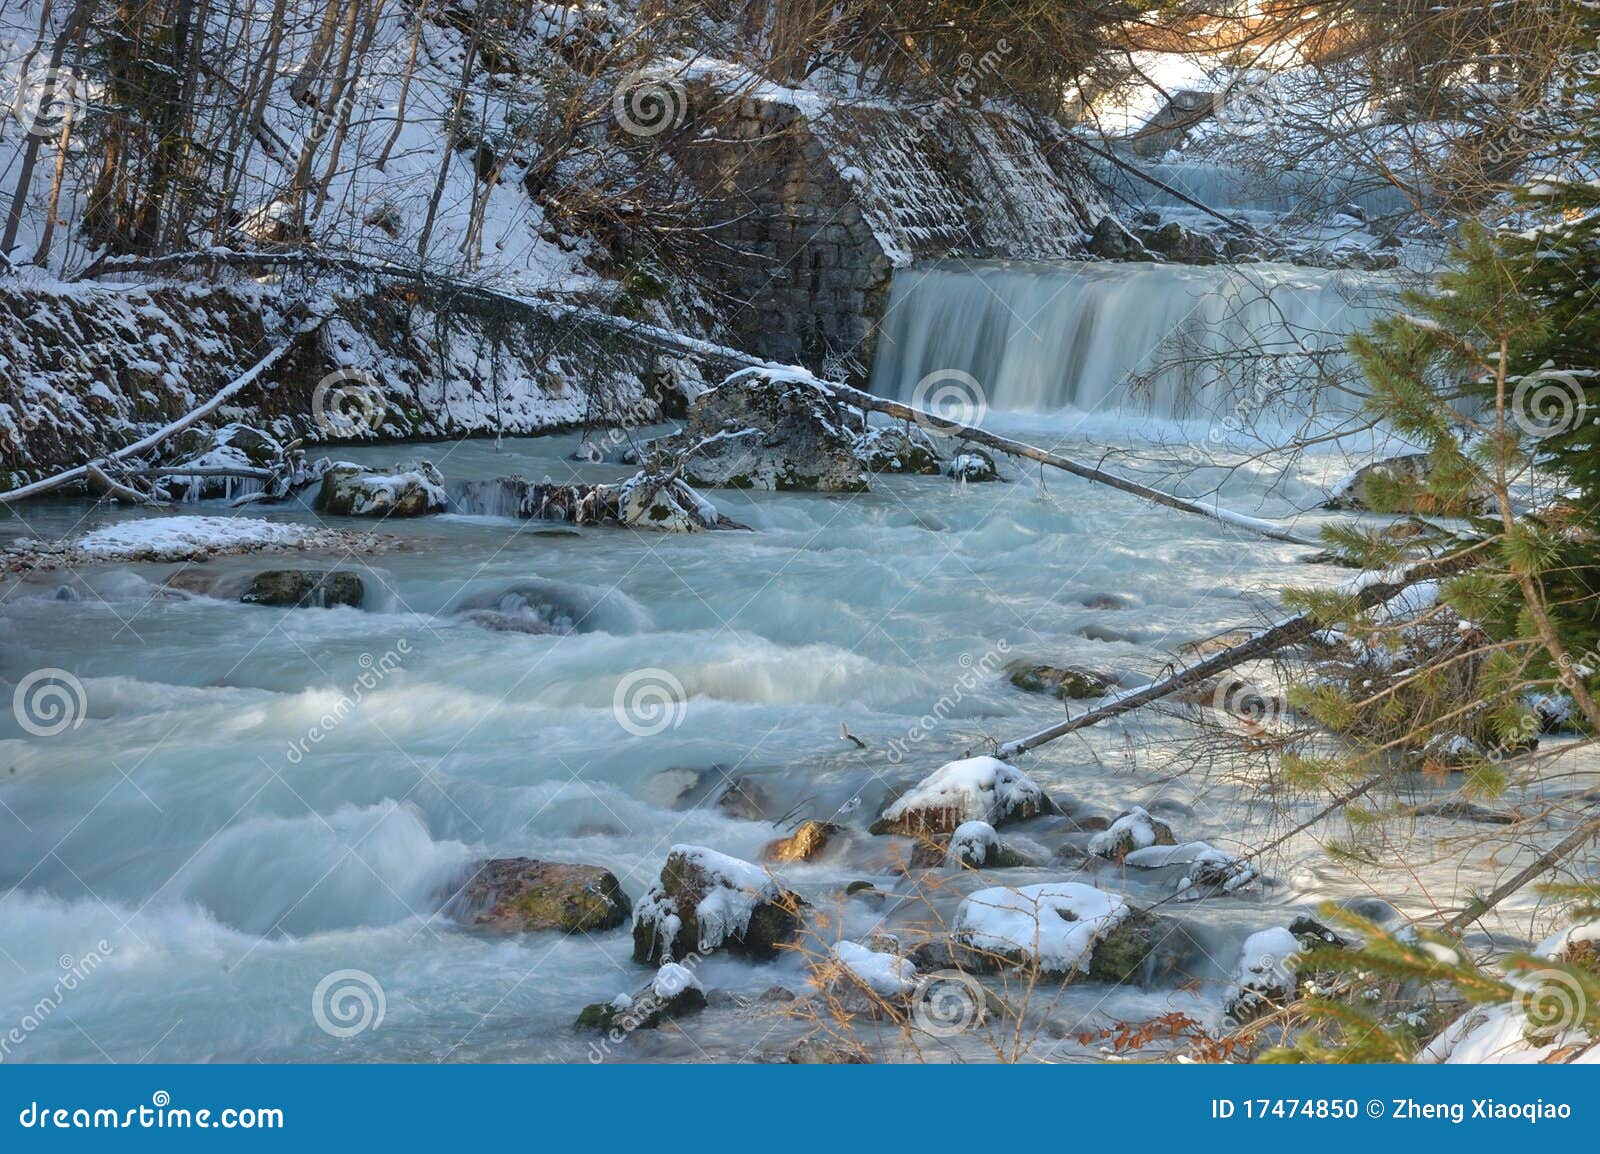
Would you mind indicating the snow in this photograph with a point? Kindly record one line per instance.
(1264, 971)
(1211, 868)
(1055, 924)
(972, 842)
(976, 788)
(164, 538)
(1507, 1033)
(673, 979)
(734, 889)
(884, 974)
(1136, 827)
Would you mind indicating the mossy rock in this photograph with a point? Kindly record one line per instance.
(305, 589)
(1069, 683)
(804, 844)
(521, 895)
(1121, 955)
(646, 1012)
(675, 898)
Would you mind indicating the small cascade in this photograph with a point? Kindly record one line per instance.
(500, 497)
(1238, 191)
(1167, 340)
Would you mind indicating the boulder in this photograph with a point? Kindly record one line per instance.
(408, 490)
(1269, 973)
(521, 895)
(1176, 243)
(673, 993)
(821, 1052)
(305, 589)
(867, 982)
(1133, 829)
(1208, 870)
(1111, 241)
(975, 845)
(804, 844)
(1399, 485)
(1070, 683)
(1054, 927)
(705, 901)
(765, 430)
(897, 449)
(974, 789)
(655, 501)
(745, 799)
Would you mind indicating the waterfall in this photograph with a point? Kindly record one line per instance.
(1235, 190)
(1175, 341)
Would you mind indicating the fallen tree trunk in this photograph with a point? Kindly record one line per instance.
(1088, 472)
(101, 482)
(249, 377)
(677, 344)
(1267, 641)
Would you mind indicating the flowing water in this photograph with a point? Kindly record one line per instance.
(258, 803)
(259, 797)
(1173, 341)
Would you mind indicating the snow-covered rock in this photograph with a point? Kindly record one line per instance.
(646, 500)
(884, 974)
(1054, 925)
(674, 992)
(761, 430)
(972, 465)
(976, 845)
(1546, 1019)
(408, 490)
(1133, 830)
(897, 449)
(974, 789)
(1267, 973)
(182, 538)
(704, 901)
(1211, 870)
